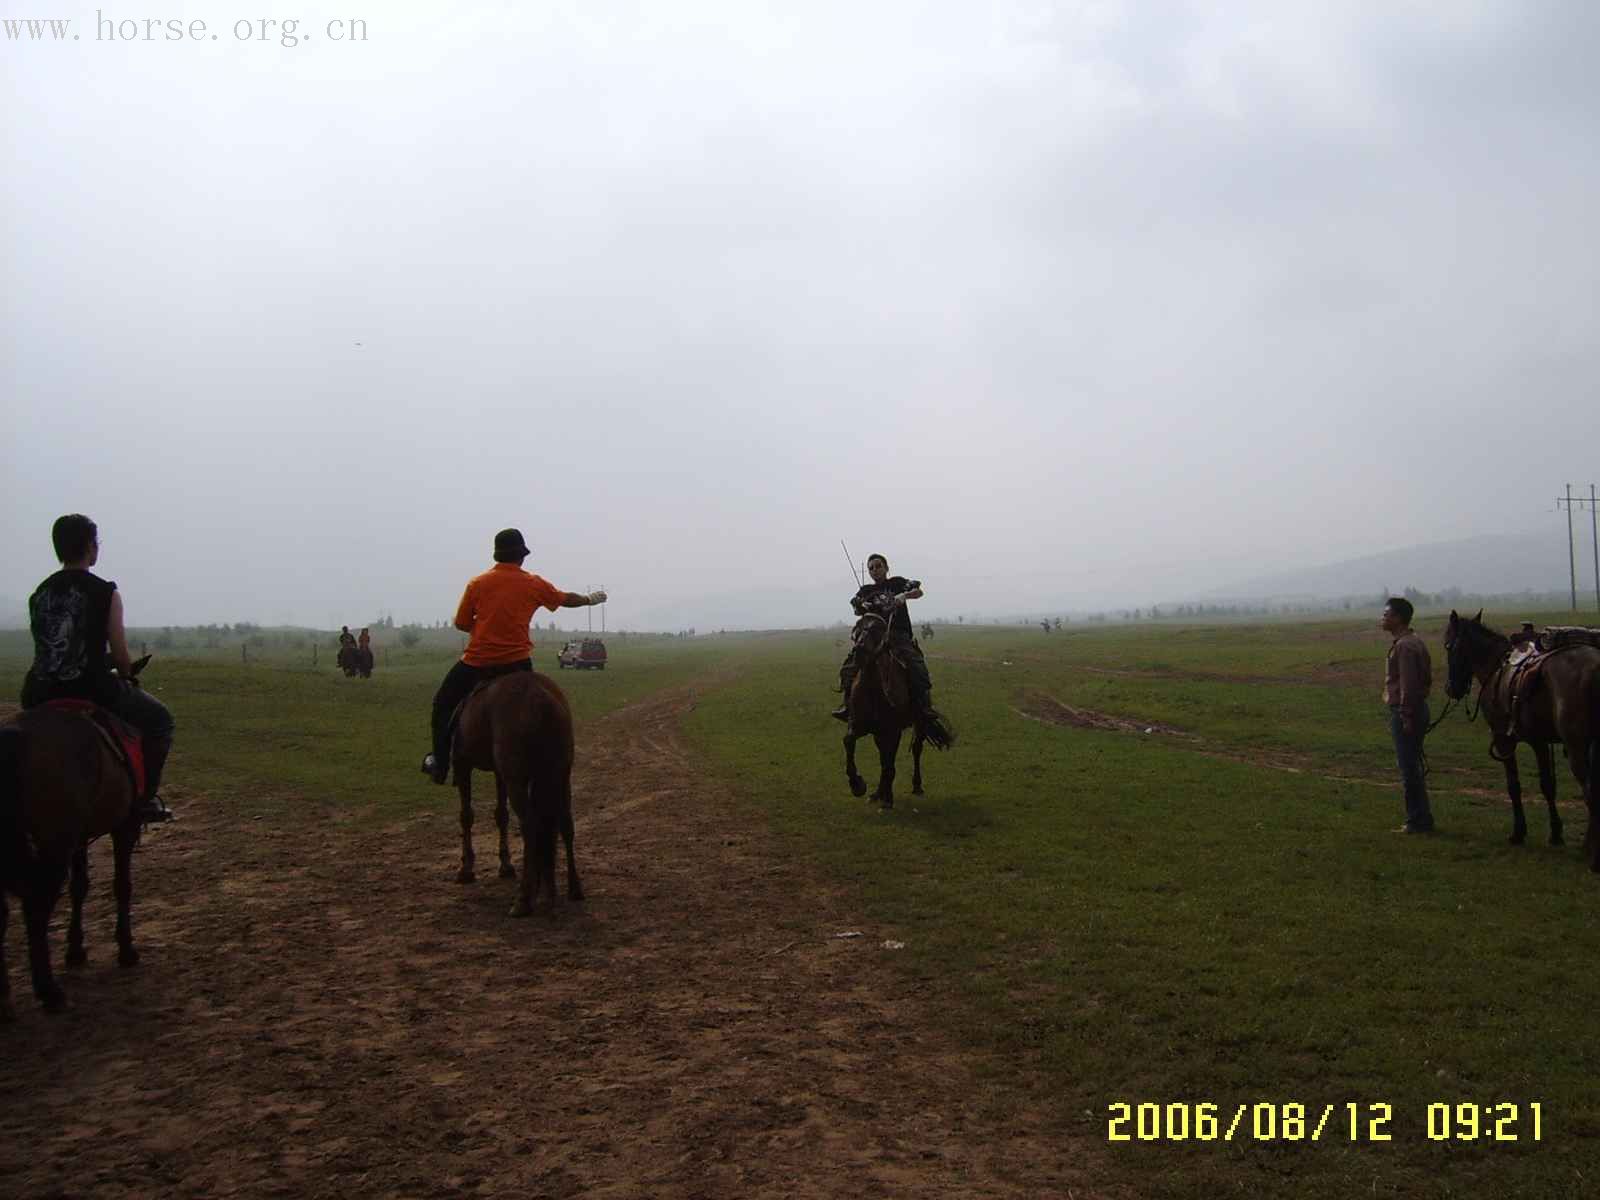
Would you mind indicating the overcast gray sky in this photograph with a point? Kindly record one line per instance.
(1101, 300)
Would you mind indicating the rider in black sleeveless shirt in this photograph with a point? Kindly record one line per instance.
(78, 636)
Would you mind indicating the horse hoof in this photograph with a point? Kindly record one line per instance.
(465, 876)
(54, 1001)
(858, 787)
(521, 908)
(1557, 840)
(127, 956)
(916, 791)
(507, 871)
(574, 892)
(76, 958)
(1518, 839)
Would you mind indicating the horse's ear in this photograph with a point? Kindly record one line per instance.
(1453, 617)
(1479, 617)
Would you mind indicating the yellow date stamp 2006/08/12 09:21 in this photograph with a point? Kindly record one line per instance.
(1291, 1121)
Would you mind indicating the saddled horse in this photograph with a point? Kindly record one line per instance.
(364, 661)
(61, 786)
(1545, 700)
(880, 705)
(519, 727)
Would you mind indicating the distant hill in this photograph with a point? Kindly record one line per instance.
(1488, 565)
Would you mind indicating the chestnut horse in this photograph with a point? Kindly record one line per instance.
(1562, 708)
(880, 705)
(519, 727)
(61, 785)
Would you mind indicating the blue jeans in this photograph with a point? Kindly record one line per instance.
(1408, 755)
(153, 719)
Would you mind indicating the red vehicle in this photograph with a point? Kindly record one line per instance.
(582, 654)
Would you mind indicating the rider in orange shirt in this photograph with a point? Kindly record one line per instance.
(495, 610)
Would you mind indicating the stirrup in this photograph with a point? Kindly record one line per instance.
(431, 769)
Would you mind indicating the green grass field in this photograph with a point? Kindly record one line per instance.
(1117, 917)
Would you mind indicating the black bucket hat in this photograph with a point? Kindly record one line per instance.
(509, 546)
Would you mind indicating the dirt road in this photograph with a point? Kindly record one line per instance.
(322, 1010)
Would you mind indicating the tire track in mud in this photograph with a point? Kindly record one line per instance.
(322, 1011)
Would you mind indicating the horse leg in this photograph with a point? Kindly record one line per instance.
(123, 839)
(502, 818)
(77, 888)
(468, 858)
(39, 898)
(916, 763)
(1519, 821)
(8, 1010)
(858, 785)
(1547, 785)
(888, 747)
(1584, 756)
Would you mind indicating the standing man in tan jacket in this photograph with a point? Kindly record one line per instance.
(1408, 678)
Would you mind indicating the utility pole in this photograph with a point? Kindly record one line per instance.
(1594, 532)
(1572, 561)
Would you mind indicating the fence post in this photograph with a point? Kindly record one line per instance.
(244, 652)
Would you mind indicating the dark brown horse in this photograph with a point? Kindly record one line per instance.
(519, 727)
(1561, 708)
(880, 705)
(61, 785)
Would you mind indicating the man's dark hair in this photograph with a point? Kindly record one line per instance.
(880, 558)
(72, 535)
(1401, 606)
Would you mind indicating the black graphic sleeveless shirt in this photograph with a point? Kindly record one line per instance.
(69, 615)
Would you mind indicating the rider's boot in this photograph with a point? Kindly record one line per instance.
(436, 767)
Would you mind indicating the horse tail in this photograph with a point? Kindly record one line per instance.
(937, 731)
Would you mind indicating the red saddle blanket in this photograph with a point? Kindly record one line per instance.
(125, 741)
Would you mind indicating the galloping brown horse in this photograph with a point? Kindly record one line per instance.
(1562, 708)
(519, 727)
(61, 785)
(880, 705)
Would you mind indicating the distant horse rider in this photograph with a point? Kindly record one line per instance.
(495, 611)
(364, 642)
(78, 635)
(891, 593)
(347, 640)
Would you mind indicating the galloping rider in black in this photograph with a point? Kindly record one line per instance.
(892, 591)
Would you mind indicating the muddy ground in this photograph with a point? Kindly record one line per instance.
(322, 1010)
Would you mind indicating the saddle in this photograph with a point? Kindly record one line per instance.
(1524, 665)
(124, 741)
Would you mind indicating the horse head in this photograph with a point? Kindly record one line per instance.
(870, 635)
(1467, 642)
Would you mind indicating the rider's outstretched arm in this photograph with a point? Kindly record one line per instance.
(581, 599)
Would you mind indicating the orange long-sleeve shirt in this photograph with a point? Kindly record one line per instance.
(496, 610)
